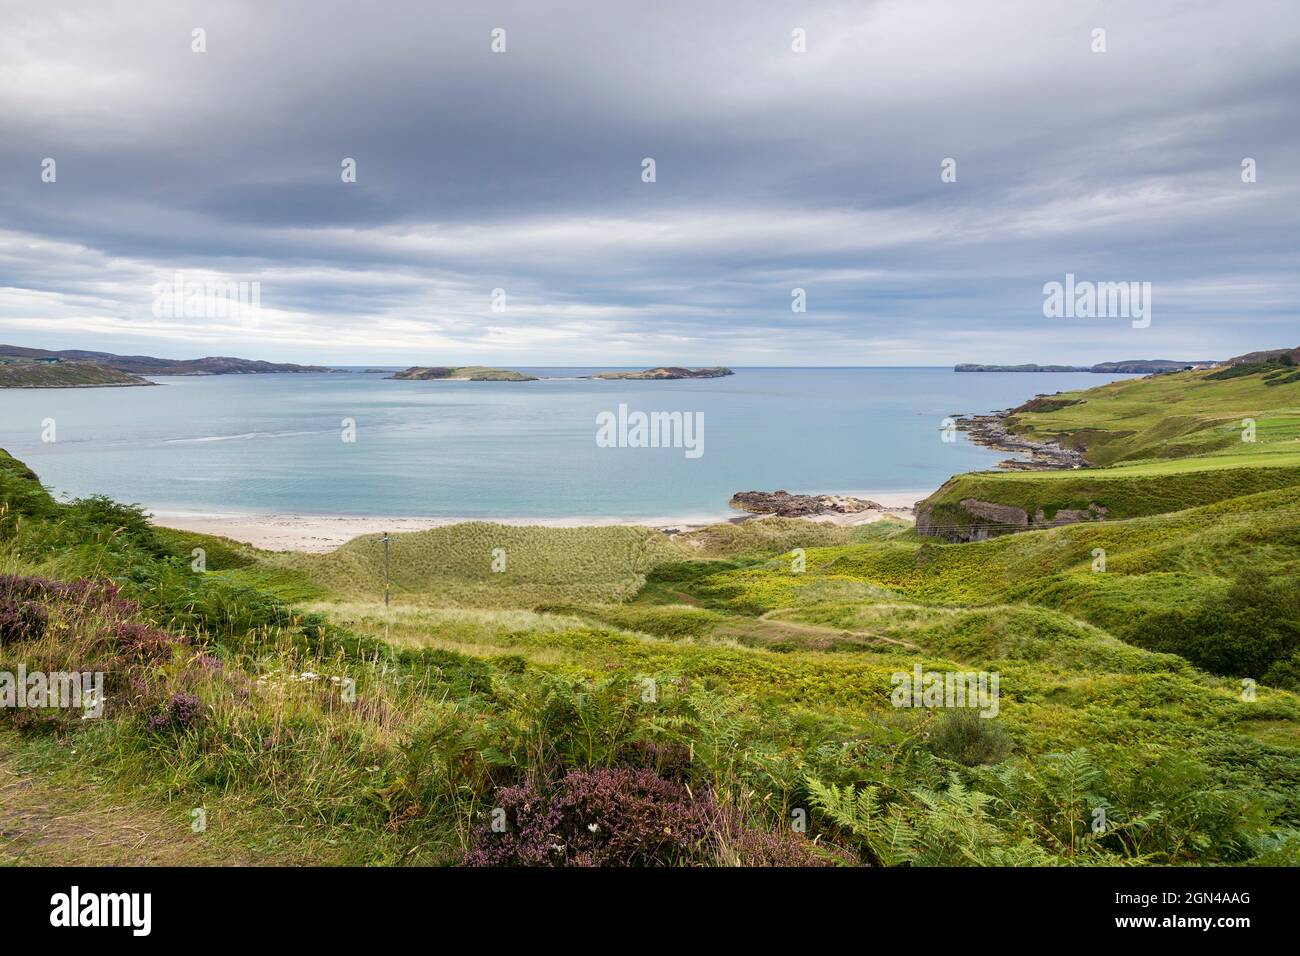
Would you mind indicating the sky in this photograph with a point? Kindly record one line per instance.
(776, 169)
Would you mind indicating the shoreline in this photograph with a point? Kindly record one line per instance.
(990, 431)
(319, 534)
(90, 385)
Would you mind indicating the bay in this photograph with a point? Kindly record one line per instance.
(274, 444)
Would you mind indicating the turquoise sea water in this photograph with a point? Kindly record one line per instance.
(274, 443)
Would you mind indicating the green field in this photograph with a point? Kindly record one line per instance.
(1161, 444)
(1176, 415)
(1148, 669)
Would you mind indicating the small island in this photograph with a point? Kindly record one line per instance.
(461, 373)
(663, 373)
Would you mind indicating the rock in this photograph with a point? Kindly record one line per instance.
(991, 431)
(1008, 516)
(785, 505)
(990, 519)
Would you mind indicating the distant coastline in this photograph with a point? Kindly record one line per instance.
(148, 365)
(1129, 367)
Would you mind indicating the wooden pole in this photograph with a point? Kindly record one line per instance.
(385, 569)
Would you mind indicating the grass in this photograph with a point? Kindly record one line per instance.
(1178, 415)
(1161, 444)
(23, 373)
(481, 564)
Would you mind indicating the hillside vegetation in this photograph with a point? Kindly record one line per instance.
(21, 373)
(618, 696)
(1160, 444)
(461, 373)
(148, 365)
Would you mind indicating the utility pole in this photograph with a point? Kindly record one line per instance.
(385, 569)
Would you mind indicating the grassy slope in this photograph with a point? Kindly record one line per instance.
(1170, 416)
(23, 374)
(1165, 443)
(1152, 564)
(453, 566)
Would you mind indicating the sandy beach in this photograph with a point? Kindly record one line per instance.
(322, 533)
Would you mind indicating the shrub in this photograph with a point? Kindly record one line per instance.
(766, 848)
(966, 737)
(607, 817)
(1285, 673)
(21, 621)
(181, 712)
(1255, 623)
(143, 643)
(25, 604)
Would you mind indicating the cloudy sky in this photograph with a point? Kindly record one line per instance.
(774, 170)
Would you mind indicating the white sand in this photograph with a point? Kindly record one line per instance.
(321, 533)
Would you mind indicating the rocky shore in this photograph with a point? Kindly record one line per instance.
(991, 431)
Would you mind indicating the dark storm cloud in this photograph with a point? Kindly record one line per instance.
(775, 170)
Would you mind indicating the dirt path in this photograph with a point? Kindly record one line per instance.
(46, 823)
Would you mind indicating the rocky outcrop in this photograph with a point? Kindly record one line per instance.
(975, 520)
(991, 431)
(785, 505)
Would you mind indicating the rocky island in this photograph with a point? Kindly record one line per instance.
(663, 373)
(461, 373)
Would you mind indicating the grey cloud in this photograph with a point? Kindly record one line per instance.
(774, 170)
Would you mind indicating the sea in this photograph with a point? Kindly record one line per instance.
(355, 442)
